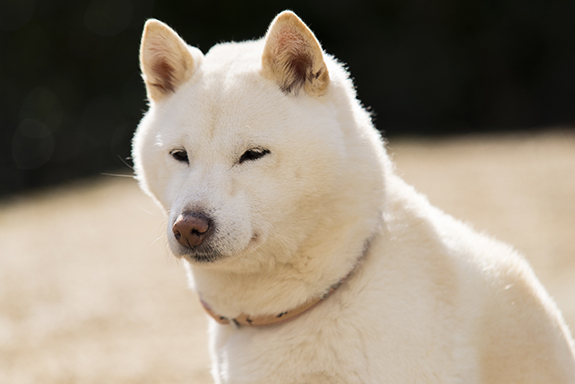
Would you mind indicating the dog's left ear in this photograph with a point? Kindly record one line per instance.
(293, 57)
(166, 60)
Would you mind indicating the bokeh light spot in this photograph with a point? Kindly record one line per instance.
(108, 17)
(32, 145)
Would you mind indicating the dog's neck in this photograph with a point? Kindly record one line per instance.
(284, 316)
(287, 287)
(283, 276)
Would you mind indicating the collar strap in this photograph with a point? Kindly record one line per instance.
(280, 318)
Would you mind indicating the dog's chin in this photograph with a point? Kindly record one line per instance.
(200, 256)
(204, 258)
(206, 255)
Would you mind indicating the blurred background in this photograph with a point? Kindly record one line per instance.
(71, 94)
(477, 98)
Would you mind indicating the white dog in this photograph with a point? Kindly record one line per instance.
(316, 262)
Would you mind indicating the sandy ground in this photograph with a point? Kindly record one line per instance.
(90, 294)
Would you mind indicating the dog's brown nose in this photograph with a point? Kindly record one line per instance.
(192, 228)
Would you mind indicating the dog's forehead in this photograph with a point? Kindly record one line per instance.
(228, 92)
(230, 74)
(234, 57)
(214, 114)
(229, 102)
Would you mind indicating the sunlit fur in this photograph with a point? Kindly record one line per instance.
(431, 301)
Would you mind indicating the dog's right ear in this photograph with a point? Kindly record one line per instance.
(293, 57)
(166, 60)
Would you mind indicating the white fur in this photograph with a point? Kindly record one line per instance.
(431, 301)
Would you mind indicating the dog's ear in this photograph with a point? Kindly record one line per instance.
(166, 60)
(293, 57)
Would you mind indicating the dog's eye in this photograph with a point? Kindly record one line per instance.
(253, 154)
(180, 155)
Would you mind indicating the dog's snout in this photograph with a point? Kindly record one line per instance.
(192, 228)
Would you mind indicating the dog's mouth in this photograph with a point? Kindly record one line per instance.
(205, 254)
(196, 236)
(205, 257)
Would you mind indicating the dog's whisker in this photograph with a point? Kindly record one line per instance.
(117, 175)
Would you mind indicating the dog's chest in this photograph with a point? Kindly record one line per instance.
(290, 353)
(362, 334)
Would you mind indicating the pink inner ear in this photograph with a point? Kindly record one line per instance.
(293, 56)
(289, 39)
(164, 74)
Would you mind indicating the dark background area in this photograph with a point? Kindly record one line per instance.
(71, 94)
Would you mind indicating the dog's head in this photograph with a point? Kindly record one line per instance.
(255, 148)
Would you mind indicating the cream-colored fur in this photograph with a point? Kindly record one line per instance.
(431, 301)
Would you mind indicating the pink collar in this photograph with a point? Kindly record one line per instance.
(280, 318)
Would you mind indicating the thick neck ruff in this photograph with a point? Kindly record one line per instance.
(284, 317)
